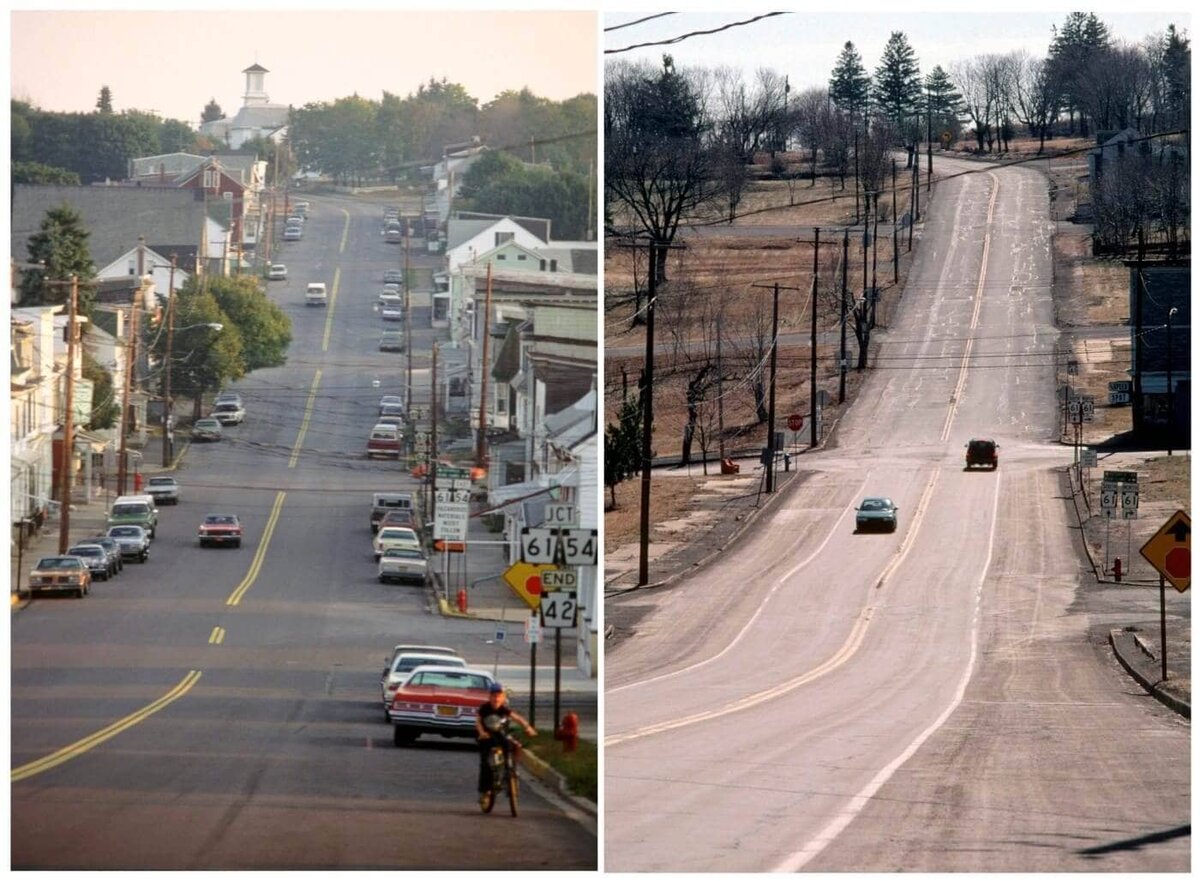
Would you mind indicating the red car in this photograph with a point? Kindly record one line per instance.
(220, 529)
(438, 700)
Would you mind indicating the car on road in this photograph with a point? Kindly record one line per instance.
(982, 452)
(163, 490)
(61, 573)
(116, 561)
(402, 668)
(402, 564)
(875, 513)
(228, 413)
(391, 312)
(134, 511)
(316, 294)
(295, 220)
(293, 234)
(388, 298)
(384, 440)
(220, 529)
(277, 272)
(302, 209)
(391, 341)
(419, 649)
(229, 397)
(393, 276)
(391, 287)
(405, 517)
(391, 410)
(438, 700)
(390, 399)
(133, 541)
(396, 422)
(395, 537)
(207, 429)
(95, 558)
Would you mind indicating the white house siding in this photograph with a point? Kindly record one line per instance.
(485, 241)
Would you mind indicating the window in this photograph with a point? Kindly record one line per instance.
(502, 401)
(210, 179)
(502, 237)
(554, 266)
(441, 308)
(520, 257)
(501, 256)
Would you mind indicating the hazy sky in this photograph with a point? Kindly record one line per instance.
(174, 62)
(805, 46)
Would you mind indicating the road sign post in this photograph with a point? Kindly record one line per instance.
(1170, 552)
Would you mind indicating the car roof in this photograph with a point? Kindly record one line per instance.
(449, 662)
(85, 544)
(443, 668)
(425, 649)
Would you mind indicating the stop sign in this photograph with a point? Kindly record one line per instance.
(795, 422)
(1178, 563)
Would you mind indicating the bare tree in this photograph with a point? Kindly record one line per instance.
(1035, 95)
(810, 108)
(978, 79)
(748, 116)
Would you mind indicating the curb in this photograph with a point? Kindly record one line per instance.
(547, 775)
(1171, 701)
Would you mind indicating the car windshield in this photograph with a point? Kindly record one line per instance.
(86, 551)
(874, 505)
(162, 481)
(59, 563)
(121, 510)
(221, 519)
(981, 445)
(408, 663)
(125, 532)
(449, 679)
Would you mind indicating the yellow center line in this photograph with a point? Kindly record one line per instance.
(308, 408)
(345, 231)
(81, 746)
(329, 307)
(217, 636)
(240, 590)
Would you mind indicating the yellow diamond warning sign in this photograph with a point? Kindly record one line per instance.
(526, 581)
(1170, 551)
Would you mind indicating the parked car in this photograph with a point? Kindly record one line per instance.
(277, 272)
(133, 540)
(295, 220)
(228, 413)
(391, 341)
(384, 440)
(207, 429)
(220, 529)
(391, 287)
(315, 294)
(229, 397)
(390, 299)
(405, 517)
(61, 573)
(438, 700)
(983, 453)
(293, 234)
(395, 537)
(876, 513)
(133, 511)
(95, 558)
(390, 399)
(393, 276)
(391, 410)
(383, 503)
(402, 564)
(302, 209)
(163, 489)
(402, 668)
(419, 649)
(391, 312)
(117, 562)
(396, 421)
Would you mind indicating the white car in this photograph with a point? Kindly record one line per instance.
(391, 312)
(277, 272)
(390, 399)
(402, 564)
(391, 288)
(228, 413)
(388, 298)
(402, 667)
(163, 489)
(395, 537)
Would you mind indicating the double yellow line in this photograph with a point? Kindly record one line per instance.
(240, 590)
(81, 746)
(330, 306)
(308, 411)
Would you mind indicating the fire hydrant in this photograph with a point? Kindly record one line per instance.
(462, 599)
(137, 482)
(568, 732)
(1117, 569)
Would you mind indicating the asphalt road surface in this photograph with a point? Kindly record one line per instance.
(220, 708)
(927, 700)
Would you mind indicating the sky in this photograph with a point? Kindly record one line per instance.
(173, 62)
(805, 46)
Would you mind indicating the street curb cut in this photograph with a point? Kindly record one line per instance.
(546, 774)
(1182, 707)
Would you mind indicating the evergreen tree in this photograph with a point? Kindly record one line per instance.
(1177, 76)
(104, 102)
(943, 101)
(212, 111)
(623, 447)
(105, 408)
(61, 247)
(897, 91)
(1071, 50)
(850, 87)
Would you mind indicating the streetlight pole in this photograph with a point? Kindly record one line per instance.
(168, 431)
(1170, 384)
(68, 441)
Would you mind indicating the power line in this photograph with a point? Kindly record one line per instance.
(630, 24)
(690, 34)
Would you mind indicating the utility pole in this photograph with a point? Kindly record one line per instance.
(916, 191)
(647, 420)
(1170, 385)
(408, 401)
(167, 409)
(68, 441)
(842, 363)
(895, 253)
(928, 137)
(856, 214)
(131, 357)
(720, 383)
(433, 414)
(771, 401)
(481, 457)
(813, 341)
(874, 259)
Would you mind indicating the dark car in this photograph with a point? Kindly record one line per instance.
(875, 513)
(982, 452)
(117, 562)
(133, 540)
(95, 557)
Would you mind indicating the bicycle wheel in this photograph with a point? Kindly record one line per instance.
(486, 801)
(512, 791)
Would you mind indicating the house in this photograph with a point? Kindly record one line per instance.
(34, 413)
(1158, 296)
(448, 174)
(257, 118)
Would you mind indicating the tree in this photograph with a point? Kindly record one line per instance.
(1176, 79)
(265, 329)
(61, 247)
(897, 88)
(810, 108)
(105, 408)
(212, 111)
(538, 192)
(1071, 50)
(979, 80)
(1035, 95)
(944, 102)
(658, 167)
(202, 358)
(104, 102)
(850, 87)
(175, 136)
(36, 173)
(491, 166)
(623, 447)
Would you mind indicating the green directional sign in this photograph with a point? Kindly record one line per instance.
(450, 473)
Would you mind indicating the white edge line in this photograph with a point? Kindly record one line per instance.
(822, 839)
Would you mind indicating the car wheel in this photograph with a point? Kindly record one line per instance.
(143, 556)
(404, 736)
(237, 543)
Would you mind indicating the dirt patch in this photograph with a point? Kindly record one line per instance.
(670, 497)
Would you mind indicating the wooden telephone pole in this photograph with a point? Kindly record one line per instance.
(481, 457)
(66, 469)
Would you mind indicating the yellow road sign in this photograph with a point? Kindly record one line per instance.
(1170, 550)
(525, 579)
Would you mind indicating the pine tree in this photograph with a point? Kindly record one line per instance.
(897, 91)
(850, 87)
(1072, 47)
(1177, 74)
(943, 101)
(622, 446)
(212, 111)
(61, 247)
(104, 102)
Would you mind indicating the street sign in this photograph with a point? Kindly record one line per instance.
(418, 413)
(560, 579)
(533, 630)
(1108, 503)
(1129, 503)
(1170, 550)
(538, 544)
(1088, 408)
(447, 484)
(559, 610)
(452, 473)
(451, 496)
(795, 422)
(557, 514)
(1117, 398)
(579, 546)
(499, 634)
(450, 520)
(526, 582)
(1121, 385)
(1120, 477)
(1087, 457)
(1073, 367)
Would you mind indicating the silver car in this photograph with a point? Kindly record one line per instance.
(402, 564)
(134, 541)
(163, 490)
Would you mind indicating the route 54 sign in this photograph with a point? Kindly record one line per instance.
(559, 610)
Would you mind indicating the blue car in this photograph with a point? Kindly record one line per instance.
(875, 513)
